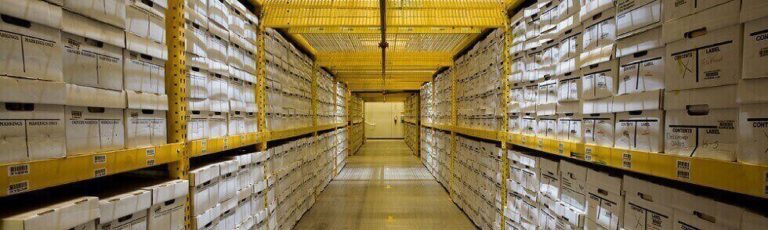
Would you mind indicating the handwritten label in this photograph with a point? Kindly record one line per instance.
(683, 169)
(99, 159)
(18, 170)
(18, 187)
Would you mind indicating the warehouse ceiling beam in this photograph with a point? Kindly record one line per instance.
(390, 30)
(355, 87)
(352, 79)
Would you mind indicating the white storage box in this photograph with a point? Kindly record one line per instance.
(704, 58)
(144, 73)
(81, 212)
(145, 121)
(217, 124)
(702, 123)
(605, 205)
(93, 52)
(168, 203)
(679, 9)
(197, 126)
(236, 123)
(599, 80)
(196, 38)
(204, 188)
(196, 11)
(94, 120)
(599, 38)
(699, 212)
(217, 13)
(30, 45)
(227, 180)
(647, 205)
(549, 181)
(641, 71)
(598, 129)
(753, 126)
(569, 128)
(640, 131)
(33, 125)
(146, 19)
(573, 185)
(546, 127)
(208, 220)
(128, 210)
(636, 16)
(755, 46)
(218, 43)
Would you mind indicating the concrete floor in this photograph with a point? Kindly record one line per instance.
(384, 186)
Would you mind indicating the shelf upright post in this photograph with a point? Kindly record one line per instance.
(261, 100)
(505, 66)
(176, 86)
(454, 122)
(313, 92)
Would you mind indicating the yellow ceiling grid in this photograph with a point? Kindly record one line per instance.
(423, 35)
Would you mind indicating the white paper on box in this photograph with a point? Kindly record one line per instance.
(198, 83)
(642, 71)
(598, 129)
(546, 127)
(109, 11)
(92, 53)
(705, 61)
(640, 131)
(573, 180)
(753, 134)
(196, 39)
(31, 40)
(197, 125)
(599, 80)
(702, 123)
(218, 44)
(550, 178)
(599, 38)
(637, 43)
(217, 13)
(569, 89)
(755, 49)
(636, 16)
(217, 124)
(528, 124)
(589, 8)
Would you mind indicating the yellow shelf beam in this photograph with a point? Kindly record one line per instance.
(215, 145)
(380, 86)
(390, 29)
(36, 175)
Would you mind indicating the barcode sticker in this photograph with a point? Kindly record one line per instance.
(226, 145)
(560, 148)
(522, 140)
(203, 146)
(587, 157)
(100, 172)
(18, 187)
(626, 160)
(99, 159)
(151, 162)
(541, 143)
(151, 152)
(683, 169)
(18, 170)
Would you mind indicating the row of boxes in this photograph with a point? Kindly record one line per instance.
(552, 194)
(476, 175)
(230, 194)
(427, 99)
(221, 61)
(478, 75)
(302, 168)
(356, 137)
(158, 207)
(289, 84)
(434, 151)
(642, 75)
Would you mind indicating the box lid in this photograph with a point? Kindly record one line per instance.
(36, 11)
(203, 174)
(145, 46)
(19, 90)
(604, 181)
(649, 100)
(644, 41)
(227, 167)
(89, 28)
(94, 97)
(720, 97)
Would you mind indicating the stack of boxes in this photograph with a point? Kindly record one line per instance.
(435, 153)
(478, 75)
(426, 95)
(60, 54)
(477, 180)
(342, 149)
(289, 82)
(340, 111)
(632, 76)
(300, 170)
(442, 99)
(221, 51)
(326, 106)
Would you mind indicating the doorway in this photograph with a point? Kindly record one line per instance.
(383, 120)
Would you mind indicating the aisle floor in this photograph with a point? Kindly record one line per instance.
(384, 186)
